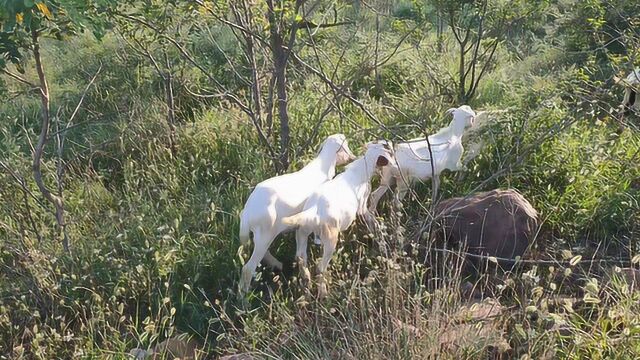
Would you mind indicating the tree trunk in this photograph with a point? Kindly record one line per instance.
(462, 75)
(42, 139)
(439, 32)
(279, 72)
(281, 91)
(255, 77)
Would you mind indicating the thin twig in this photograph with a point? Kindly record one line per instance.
(19, 79)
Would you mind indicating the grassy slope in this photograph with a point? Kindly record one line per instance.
(154, 236)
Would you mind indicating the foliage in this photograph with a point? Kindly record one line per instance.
(154, 249)
(56, 19)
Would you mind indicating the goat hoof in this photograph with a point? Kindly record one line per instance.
(322, 291)
(322, 287)
(305, 277)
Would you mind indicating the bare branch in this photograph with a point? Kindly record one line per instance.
(84, 94)
(19, 79)
(39, 149)
(149, 56)
(233, 25)
(397, 46)
(191, 60)
(20, 180)
(484, 69)
(311, 25)
(340, 91)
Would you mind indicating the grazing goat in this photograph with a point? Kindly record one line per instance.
(413, 158)
(333, 207)
(632, 85)
(283, 196)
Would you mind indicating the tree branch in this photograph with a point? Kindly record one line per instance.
(233, 25)
(19, 78)
(39, 149)
(311, 25)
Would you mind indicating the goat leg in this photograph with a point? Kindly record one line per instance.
(302, 239)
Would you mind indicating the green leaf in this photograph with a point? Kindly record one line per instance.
(10, 23)
(28, 16)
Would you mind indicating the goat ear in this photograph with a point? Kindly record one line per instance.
(382, 161)
(450, 111)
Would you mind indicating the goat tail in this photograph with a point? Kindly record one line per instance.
(305, 218)
(244, 230)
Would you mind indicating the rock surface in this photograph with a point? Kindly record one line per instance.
(497, 223)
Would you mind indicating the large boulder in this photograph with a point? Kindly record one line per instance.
(497, 223)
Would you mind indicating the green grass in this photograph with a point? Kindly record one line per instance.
(154, 235)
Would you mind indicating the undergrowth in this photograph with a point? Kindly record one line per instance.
(154, 248)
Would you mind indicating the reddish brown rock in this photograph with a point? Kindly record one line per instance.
(497, 223)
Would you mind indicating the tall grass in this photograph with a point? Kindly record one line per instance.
(154, 250)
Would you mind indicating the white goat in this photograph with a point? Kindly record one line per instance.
(283, 196)
(412, 158)
(333, 207)
(632, 86)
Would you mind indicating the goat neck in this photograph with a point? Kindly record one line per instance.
(457, 126)
(360, 170)
(324, 163)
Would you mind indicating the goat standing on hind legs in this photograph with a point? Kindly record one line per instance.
(333, 207)
(413, 159)
(283, 196)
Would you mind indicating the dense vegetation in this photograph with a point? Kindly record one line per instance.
(131, 133)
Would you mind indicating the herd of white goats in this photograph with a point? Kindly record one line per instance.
(313, 201)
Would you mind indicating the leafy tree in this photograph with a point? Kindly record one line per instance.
(267, 33)
(601, 27)
(479, 27)
(23, 24)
